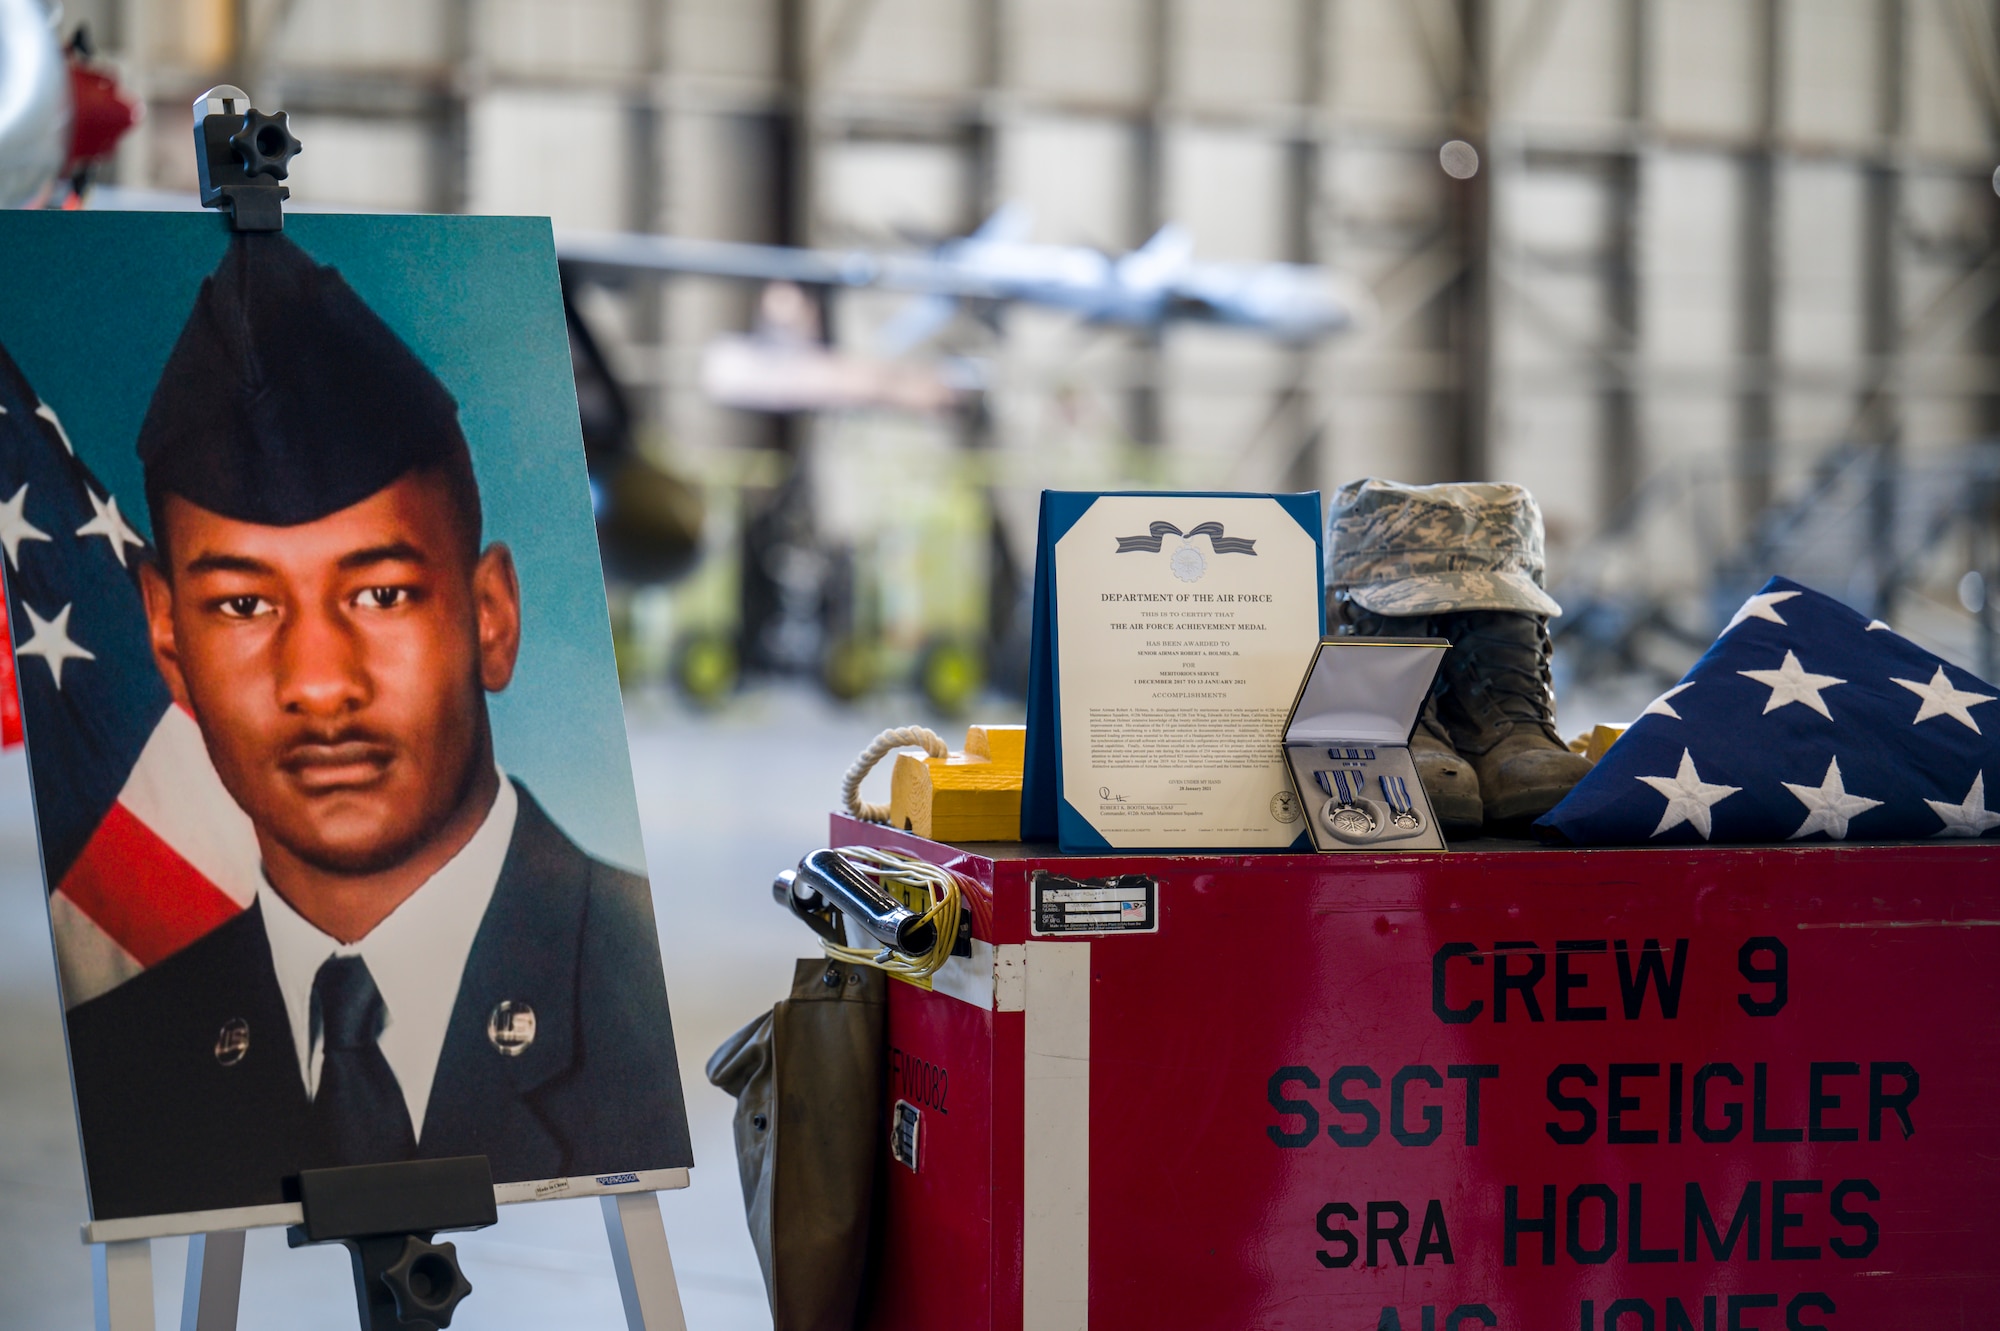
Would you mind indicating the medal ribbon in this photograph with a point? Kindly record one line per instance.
(1397, 794)
(1159, 531)
(1346, 786)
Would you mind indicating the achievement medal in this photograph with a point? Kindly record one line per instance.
(1343, 814)
(1401, 811)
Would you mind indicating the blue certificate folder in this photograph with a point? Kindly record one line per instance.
(1045, 814)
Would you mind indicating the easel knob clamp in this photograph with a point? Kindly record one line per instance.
(241, 154)
(386, 1216)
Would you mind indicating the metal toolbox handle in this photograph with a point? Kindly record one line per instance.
(880, 915)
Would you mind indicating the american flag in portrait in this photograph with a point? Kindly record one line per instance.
(10, 697)
(143, 850)
(1806, 721)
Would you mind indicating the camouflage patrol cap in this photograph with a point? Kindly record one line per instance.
(1431, 549)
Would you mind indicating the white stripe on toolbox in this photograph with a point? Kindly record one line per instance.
(1055, 1238)
(968, 979)
(1010, 978)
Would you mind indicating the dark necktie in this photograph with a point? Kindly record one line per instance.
(359, 1108)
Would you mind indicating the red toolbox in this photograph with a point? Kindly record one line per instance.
(1719, 1089)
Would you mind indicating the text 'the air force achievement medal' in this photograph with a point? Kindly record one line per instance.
(232, 1042)
(511, 1028)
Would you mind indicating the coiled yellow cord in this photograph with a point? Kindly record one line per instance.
(910, 880)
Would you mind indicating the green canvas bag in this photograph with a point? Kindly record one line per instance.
(809, 1079)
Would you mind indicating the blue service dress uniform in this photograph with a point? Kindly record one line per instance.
(188, 1085)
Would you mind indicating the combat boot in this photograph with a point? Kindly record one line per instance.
(1447, 778)
(1498, 707)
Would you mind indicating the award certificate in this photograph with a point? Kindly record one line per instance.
(1183, 624)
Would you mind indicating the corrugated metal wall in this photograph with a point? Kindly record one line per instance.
(1708, 238)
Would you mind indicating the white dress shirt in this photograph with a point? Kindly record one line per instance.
(416, 957)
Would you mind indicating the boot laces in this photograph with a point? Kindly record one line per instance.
(1429, 721)
(1497, 661)
(1505, 666)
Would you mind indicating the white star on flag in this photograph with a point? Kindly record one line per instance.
(1661, 707)
(15, 527)
(1941, 699)
(1970, 818)
(1829, 806)
(1759, 607)
(1877, 626)
(48, 413)
(51, 641)
(1792, 682)
(1689, 798)
(110, 524)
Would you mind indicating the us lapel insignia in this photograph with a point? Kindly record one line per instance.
(511, 1028)
(232, 1042)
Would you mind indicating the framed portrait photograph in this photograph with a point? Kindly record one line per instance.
(323, 724)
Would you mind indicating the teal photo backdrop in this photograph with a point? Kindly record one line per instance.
(90, 306)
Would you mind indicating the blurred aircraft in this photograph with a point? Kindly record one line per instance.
(784, 365)
(1158, 283)
(649, 520)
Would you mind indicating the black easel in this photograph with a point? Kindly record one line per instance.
(386, 1216)
(240, 155)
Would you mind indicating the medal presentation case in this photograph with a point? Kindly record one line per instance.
(1347, 744)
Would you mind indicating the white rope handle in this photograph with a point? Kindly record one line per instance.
(902, 737)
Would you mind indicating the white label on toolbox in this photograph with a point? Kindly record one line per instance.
(1128, 904)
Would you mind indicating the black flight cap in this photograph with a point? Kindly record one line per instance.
(287, 399)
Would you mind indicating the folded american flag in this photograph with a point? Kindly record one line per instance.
(142, 848)
(1805, 721)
